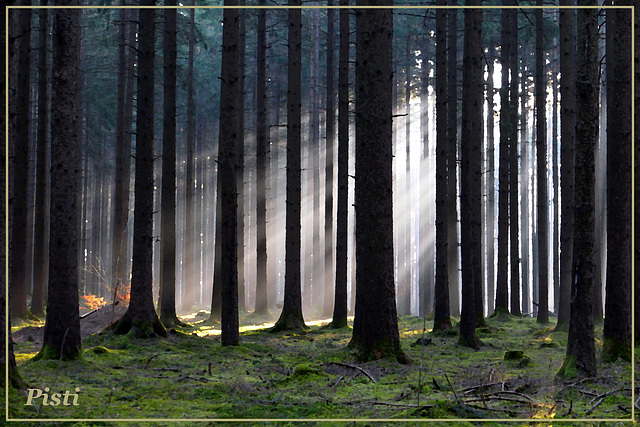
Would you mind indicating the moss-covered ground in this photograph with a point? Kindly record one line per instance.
(312, 376)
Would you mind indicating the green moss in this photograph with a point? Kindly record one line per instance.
(304, 370)
(99, 350)
(569, 368)
(613, 349)
(514, 355)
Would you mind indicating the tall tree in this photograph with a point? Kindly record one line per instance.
(512, 129)
(581, 347)
(291, 317)
(442, 317)
(452, 158)
(141, 317)
(240, 153)
(62, 328)
(261, 306)
(123, 155)
(231, 100)
(471, 176)
(167, 302)
(502, 285)
(19, 133)
(541, 150)
(617, 321)
(342, 233)
(40, 238)
(330, 139)
(636, 218)
(567, 154)
(7, 358)
(191, 268)
(375, 327)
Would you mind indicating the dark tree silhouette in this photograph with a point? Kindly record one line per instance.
(567, 154)
(261, 306)
(581, 355)
(512, 129)
(617, 321)
(375, 327)
(291, 317)
(541, 150)
(471, 176)
(167, 301)
(62, 328)
(141, 317)
(342, 233)
(40, 238)
(442, 317)
(231, 100)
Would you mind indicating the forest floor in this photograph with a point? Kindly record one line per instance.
(314, 376)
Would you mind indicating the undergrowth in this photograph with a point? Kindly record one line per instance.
(312, 375)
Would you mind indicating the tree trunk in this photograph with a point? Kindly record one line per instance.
(452, 158)
(291, 317)
(167, 301)
(580, 348)
(442, 317)
(329, 272)
(231, 101)
(636, 154)
(617, 321)
(240, 165)
(471, 176)
(375, 328)
(41, 238)
(512, 129)
(261, 306)
(141, 317)
(189, 232)
(491, 202)
(15, 380)
(426, 257)
(19, 130)
(62, 329)
(342, 232)
(502, 285)
(541, 150)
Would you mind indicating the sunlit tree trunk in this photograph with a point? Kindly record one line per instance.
(405, 273)
(490, 178)
(471, 176)
(617, 321)
(580, 355)
(291, 317)
(342, 232)
(442, 318)
(62, 328)
(525, 191)
(556, 179)
(426, 254)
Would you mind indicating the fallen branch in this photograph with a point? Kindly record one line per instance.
(505, 399)
(590, 410)
(476, 387)
(354, 367)
(515, 393)
(187, 377)
(88, 314)
(609, 393)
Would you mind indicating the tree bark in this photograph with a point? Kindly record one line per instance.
(375, 328)
(291, 317)
(580, 355)
(512, 129)
(141, 317)
(342, 232)
(442, 317)
(62, 328)
(617, 321)
(471, 176)
(191, 269)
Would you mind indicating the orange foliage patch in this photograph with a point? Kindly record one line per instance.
(93, 302)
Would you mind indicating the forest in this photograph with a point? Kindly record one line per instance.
(326, 212)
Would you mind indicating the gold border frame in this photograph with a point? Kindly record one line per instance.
(528, 420)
